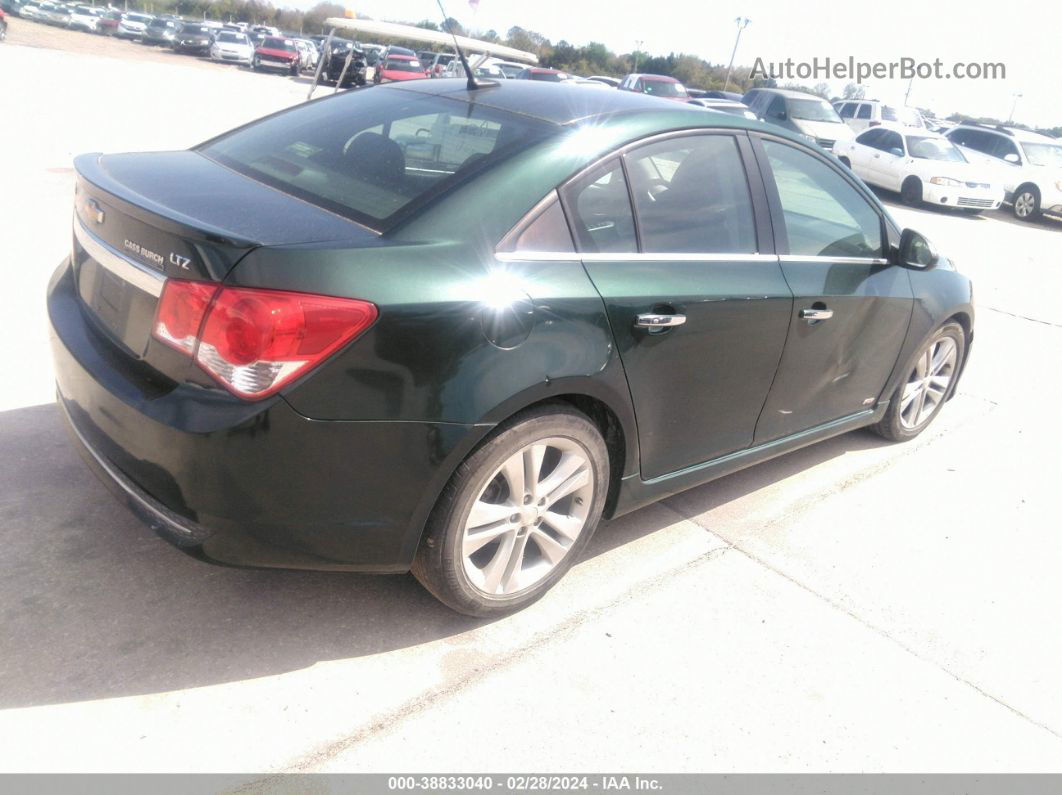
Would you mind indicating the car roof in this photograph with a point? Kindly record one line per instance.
(651, 76)
(1016, 133)
(789, 92)
(557, 103)
(904, 129)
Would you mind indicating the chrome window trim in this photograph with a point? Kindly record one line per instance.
(111, 259)
(554, 256)
(833, 260)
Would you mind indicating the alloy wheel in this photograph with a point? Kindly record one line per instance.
(528, 516)
(1024, 205)
(928, 383)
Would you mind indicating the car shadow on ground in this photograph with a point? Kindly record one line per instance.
(94, 605)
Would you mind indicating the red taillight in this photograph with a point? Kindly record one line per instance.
(254, 342)
(180, 313)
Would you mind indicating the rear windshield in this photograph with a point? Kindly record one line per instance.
(374, 156)
(664, 88)
(907, 116)
(278, 44)
(400, 65)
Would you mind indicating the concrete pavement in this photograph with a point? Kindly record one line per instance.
(853, 606)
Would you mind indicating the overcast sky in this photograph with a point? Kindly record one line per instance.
(1026, 36)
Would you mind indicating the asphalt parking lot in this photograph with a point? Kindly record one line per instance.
(854, 606)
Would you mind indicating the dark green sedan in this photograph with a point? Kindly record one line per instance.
(422, 327)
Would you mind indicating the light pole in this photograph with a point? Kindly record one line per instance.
(637, 51)
(1013, 107)
(742, 23)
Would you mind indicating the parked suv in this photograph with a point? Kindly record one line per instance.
(806, 114)
(864, 113)
(1030, 165)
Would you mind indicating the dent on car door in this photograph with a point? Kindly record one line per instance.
(697, 301)
(852, 307)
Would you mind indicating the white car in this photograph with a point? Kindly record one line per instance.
(85, 18)
(862, 114)
(724, 105)
(132, 26)
(923, 166)
(231, 47)
(1029, 165)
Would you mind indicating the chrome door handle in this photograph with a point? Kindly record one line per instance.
(816, 314)
(659, 321)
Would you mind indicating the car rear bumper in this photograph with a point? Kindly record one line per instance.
(252, 484)
(280, 66)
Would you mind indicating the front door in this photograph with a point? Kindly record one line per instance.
(851, 307)
(698, 310)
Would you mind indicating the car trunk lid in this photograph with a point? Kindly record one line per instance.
(143, 218)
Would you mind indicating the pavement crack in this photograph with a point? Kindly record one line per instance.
(1022, 317)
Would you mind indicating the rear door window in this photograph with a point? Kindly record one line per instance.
(691, 195)
(600, 210)
(864, 111)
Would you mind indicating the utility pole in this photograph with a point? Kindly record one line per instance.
(742, 23)
(1013, 107)
(637, 51)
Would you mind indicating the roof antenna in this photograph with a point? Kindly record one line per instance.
(472, 84)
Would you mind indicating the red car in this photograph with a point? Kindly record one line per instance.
(276, 53)
(108, 23)
(543, 74)
(398, 67)
(655, 86)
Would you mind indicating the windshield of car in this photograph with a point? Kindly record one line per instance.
(907, 116)
(374, 156)
(402, 65)
(664, 88)
(192, 30)
(813, 110)
(137, 18)
(933, 149)
(278, 44)
(232, 38)
(401, 51)
(1043, 154)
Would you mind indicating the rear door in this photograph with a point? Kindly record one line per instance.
(694, 293)
(886, 163)
(852, 307)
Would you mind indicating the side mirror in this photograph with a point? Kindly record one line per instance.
(1012, 158)
(916, 251)
(781, 115)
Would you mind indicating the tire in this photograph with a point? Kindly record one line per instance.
(487, 579)
(1026, 205)
(911, 191)
(906, 420)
